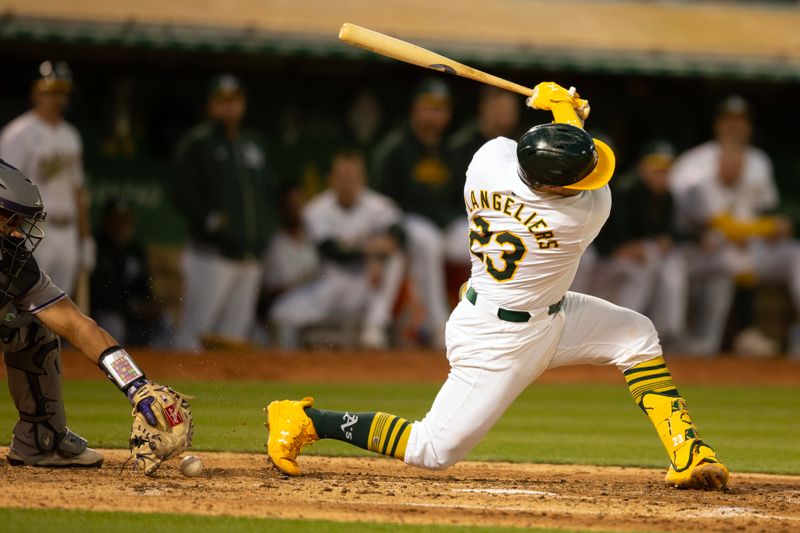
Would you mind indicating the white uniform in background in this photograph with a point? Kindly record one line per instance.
(525, 248)
(698, 197)
(700, 164)
(766, 260)
(342, 293)
(51, 156)
(289, 261)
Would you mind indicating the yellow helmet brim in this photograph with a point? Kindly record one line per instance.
(602, 172)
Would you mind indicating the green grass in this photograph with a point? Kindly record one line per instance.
(754, 429)
(26, 520)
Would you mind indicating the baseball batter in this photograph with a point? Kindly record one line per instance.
(48, 149)
(534, 206)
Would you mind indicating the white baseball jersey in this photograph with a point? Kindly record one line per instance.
(371, 214)
(50, 156)
(289, 261)
(699, 166)
(525, 245)
(745, 200)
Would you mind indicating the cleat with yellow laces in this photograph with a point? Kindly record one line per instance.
(290, 430)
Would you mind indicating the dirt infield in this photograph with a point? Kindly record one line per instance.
(409, 366)
(384, 490)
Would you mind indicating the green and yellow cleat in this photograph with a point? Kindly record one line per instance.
(290, 430)
(703, 470)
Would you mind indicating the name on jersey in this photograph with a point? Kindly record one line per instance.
(510, 207)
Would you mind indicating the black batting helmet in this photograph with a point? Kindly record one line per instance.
(564, 156)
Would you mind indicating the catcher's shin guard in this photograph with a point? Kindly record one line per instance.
(32, 359)
(290, 430)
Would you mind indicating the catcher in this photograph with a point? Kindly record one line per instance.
(33, 314)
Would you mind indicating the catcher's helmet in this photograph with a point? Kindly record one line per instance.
(54, 77)
(21, 222)
(564, 156)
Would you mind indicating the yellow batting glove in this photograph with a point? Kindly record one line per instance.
(566, 105)
(548, 93)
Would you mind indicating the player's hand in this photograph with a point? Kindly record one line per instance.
(383, 244)
(548, 94)
(162, 425)
(783, 228)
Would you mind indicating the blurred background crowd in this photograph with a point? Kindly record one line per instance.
(200, 197)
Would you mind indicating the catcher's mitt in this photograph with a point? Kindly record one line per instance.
(172, 433)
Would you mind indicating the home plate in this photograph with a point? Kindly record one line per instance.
(509, 491)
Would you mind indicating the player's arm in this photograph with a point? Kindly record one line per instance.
(742, 230)
(66, 320)
(14, 149)
(162, 426)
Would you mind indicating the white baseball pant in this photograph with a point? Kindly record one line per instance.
(340, 296)
(426, 265)
(492, 361)
(219, 297)
(657, 287)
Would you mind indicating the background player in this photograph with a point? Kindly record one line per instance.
(48, 149)
(224, 190)
(34, 312)
(534, 206)
(410, 166)
(358, 234)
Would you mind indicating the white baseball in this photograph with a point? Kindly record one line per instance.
(191, 466)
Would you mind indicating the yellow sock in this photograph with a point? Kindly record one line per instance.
(650, 376)
(652, 388)
(388, 435)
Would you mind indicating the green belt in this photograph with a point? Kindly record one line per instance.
(513, 316)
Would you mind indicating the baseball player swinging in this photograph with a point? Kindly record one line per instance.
(33, 311)
(534, 206)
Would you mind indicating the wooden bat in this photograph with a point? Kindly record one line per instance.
(563, 111)
(416, 55)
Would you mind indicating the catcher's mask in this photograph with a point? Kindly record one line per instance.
(21, 222)
(562, 155)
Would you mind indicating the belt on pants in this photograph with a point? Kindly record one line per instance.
(513, 316)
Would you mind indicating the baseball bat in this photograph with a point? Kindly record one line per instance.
(416, 55)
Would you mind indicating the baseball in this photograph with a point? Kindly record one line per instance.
(191, 466)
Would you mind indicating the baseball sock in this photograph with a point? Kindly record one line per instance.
(377, 432)
(654, 391)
